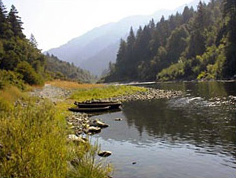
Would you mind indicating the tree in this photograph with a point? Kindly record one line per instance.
(176, 44)
(2, 17)
(5, 31)
(197, 39)
(33, 41)
(187, 14)
(15, 22)
(229, 16)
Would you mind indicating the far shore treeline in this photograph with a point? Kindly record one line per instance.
(22, 61)
(193, 45)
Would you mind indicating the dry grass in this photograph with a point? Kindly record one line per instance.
(73, 85)
(11, 93)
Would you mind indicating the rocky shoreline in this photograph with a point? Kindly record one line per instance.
(83, 125)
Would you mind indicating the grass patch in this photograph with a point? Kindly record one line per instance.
(104, 92)
(72, 85)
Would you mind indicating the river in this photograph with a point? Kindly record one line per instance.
(189, 136)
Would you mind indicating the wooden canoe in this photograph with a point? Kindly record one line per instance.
(88, 110)
(112, 105)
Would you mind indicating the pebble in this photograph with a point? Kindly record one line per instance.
(118, 119)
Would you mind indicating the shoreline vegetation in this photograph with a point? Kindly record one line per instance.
(41, 138)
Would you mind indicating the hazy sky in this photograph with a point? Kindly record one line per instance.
(55, 22)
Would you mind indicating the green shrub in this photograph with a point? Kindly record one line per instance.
(28, 74)
(12, 78)
(174, 72)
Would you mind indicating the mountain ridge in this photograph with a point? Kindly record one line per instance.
(85, 49)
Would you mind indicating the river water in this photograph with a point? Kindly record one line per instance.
(192, 136)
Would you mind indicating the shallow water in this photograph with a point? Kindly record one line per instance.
(190, 136)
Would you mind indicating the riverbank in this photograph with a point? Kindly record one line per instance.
(35, 139)
(45, 110)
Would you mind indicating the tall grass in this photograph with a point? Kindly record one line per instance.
(89, 166)
(8, 95)
(34, 143)
(33, 139)
(104, 92)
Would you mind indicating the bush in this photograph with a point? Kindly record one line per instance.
(28, 74)
(12, 78)
(174, 72)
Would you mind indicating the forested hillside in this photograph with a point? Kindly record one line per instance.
(22, 62)
(64, 70)
(197, 44)
(17, 53)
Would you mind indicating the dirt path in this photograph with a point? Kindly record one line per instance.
(53, 93)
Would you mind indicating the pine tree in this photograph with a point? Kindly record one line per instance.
(33, 41)
(230, 17)
(4, 25)
(197, 39)
(131, 39)
(15, 22)
(187, 14)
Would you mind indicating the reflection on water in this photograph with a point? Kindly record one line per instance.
(190, 136)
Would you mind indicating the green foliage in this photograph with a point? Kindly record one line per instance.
(174, 72)
(28, 74)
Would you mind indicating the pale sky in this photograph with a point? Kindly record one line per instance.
(55, 22)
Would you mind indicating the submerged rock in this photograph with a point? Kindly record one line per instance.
(104, 153)
(93, 130)
(118, 119)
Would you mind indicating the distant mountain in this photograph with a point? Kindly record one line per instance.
(95, 49)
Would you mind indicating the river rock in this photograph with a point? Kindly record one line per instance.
(97, 123)
(118, 119)
(104, 153)
(93, 130)
(75, 138)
